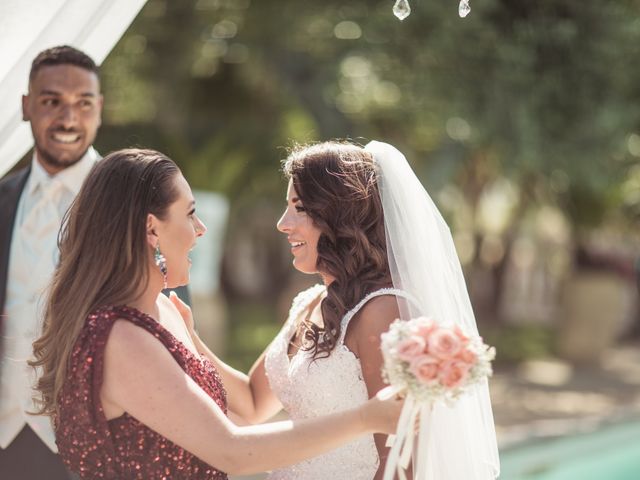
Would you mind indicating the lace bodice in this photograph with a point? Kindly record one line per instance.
(311, 389)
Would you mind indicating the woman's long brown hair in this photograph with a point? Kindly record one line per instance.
(104, 255)
(337, 185)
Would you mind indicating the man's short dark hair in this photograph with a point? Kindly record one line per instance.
(62, 55)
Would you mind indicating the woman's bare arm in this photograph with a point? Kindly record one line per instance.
(142, 378)
(250, 396)
(363, 338)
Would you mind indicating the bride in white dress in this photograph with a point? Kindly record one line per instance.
(350, 219)
(327, 356)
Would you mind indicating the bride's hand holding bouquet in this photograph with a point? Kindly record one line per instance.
(428, 363)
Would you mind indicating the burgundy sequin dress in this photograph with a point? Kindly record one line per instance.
(123, 448)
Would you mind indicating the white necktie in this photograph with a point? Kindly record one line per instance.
(40, 228)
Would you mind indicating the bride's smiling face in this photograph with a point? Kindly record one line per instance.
(301, 233)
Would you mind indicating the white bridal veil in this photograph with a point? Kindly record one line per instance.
(455, 442)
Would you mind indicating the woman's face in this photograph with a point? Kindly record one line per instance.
(301, 233)
(177, 234)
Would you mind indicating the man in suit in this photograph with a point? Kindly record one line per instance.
(64, 107)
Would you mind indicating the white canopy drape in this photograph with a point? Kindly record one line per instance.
(29, 26)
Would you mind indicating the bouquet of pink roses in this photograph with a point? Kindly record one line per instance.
(433, 362)
(429, 363)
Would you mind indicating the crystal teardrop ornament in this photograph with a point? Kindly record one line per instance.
(464, 9)
(401, 9)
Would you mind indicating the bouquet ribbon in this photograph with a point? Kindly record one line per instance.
(402, 443)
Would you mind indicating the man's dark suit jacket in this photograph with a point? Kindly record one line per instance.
(10, 190)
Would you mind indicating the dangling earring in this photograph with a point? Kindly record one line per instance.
(161, 262)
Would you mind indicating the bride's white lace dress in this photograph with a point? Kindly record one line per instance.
(310, 389)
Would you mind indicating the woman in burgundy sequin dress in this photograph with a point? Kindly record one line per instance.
(130, 395)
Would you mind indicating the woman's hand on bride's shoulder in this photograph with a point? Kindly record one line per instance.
(382, 413)
(184, 310)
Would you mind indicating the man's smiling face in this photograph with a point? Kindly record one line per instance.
(64, 107)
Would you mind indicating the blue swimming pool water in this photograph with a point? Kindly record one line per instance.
(611, 453)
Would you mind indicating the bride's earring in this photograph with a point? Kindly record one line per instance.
(161, 262)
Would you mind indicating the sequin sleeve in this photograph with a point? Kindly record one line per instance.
(82, 433)
(124, 448)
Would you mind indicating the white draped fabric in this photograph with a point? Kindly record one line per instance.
(29, 26)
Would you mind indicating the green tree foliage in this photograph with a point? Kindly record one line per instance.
(544, 93)
(526, 88)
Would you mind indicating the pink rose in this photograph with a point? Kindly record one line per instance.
(425, 368)
(443, 343)
(411, 347)
(463, 338)
(453, 373)
(423, 326)
(467, 356)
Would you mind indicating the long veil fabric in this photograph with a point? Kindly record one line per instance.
(29, 26)
(455, 442)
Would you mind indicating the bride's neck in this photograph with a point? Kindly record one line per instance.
(326, 279)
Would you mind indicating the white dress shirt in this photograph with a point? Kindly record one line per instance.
(32, 260)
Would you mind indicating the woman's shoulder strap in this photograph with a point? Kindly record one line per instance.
(377, 293)
(303, 300)
(102, 320)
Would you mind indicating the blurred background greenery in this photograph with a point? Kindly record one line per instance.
(522, 120)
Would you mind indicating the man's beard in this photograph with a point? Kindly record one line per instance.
(55, 162)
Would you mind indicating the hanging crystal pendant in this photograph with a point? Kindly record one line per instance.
(401, 9)
(464, 9)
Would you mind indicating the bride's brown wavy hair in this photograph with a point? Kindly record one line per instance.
(104, 255)
(337, 184)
